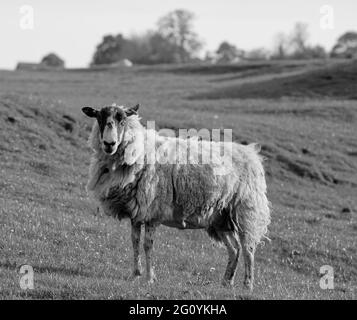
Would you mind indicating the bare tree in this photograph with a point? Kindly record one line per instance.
(281, 46)
(177, 27)
(299, 38)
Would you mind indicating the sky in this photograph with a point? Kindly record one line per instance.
(73, 28)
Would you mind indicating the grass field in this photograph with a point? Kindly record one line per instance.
(303, 114)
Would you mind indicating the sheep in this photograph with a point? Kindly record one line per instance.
(231, 206)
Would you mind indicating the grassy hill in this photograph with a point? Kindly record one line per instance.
(310, 145)
(334, 81)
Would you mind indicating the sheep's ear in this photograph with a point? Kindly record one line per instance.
(132, 110)
(90, 112)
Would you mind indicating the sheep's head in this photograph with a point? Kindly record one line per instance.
(111, 122)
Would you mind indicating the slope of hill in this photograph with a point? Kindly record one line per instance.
(337, 81)
(48, 222)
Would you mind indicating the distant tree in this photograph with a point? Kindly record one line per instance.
(296, 45)
(177, 28)
(174, 41)
(52, 60)
(299, 47)
(148, 48)
(258, 54)
(137, 48)
(228, 53)
(209, 57)
(110, 50)
(299, 38)
(316, 52)
(151, 48)
(163, 50)
(346, 46)
(281, 46)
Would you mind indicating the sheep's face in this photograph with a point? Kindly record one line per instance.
(111, 122)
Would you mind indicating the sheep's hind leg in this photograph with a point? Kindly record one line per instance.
(135, 239)
(231, 241)
(248, 254)
(148, 244)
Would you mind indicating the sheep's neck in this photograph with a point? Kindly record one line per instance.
(120, 197)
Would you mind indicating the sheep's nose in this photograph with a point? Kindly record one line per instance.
(109, 144)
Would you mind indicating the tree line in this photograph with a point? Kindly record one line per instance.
(174, 40)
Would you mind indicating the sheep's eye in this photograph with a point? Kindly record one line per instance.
(119, 118)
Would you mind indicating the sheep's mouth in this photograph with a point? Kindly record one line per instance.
(110, 149)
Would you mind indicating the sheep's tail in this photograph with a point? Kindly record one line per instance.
(254, 208)
(253, 222)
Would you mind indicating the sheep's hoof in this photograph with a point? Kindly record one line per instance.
(135, 274)
(151, 278)
(227, 283)
(248, 284)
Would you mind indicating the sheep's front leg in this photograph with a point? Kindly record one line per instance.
(148, 244)
(135, 239)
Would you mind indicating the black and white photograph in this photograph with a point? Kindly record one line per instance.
(193, 151)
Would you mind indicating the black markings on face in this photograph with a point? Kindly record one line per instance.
(109, 112)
